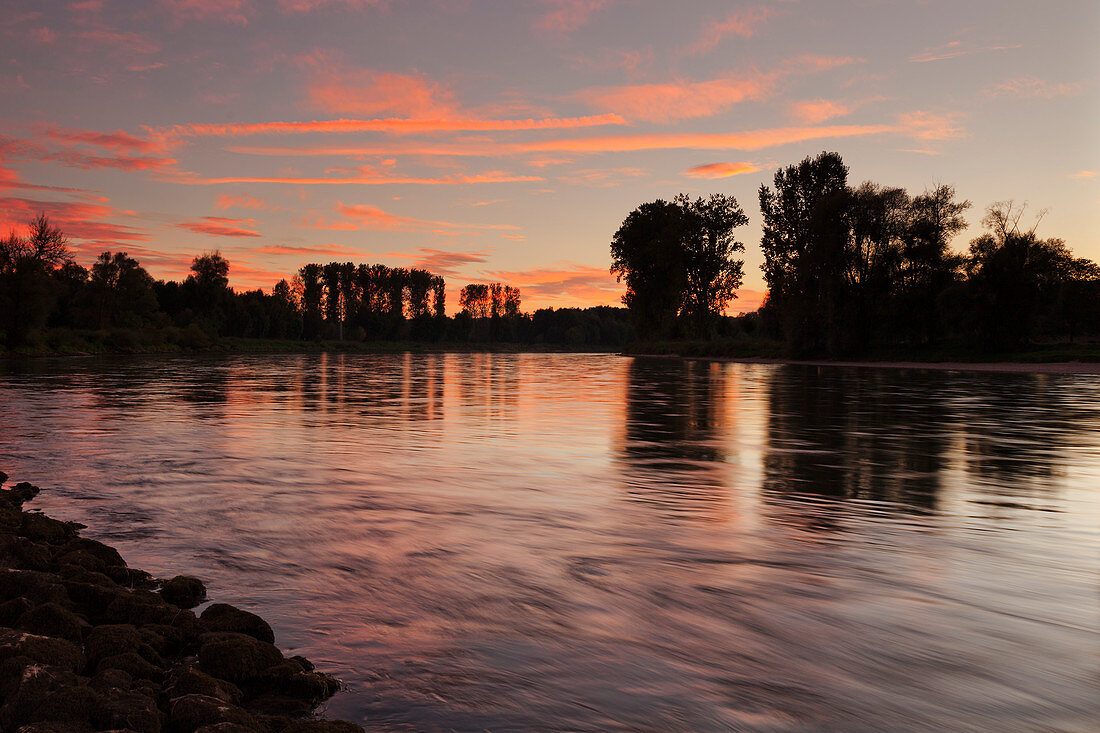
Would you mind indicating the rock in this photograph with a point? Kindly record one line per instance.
(184, 591)
(50, 619)
(109, 679)
(221, 617)
(41, 650)
(139, 608)
(109, 640)
(44, 694)
(67, 727)
(10, 611)
(93, 599)
(133, 711)
(104, 553)
(19, 552)
(23, 491)
(34, 586)
(130, 578)
(188, 680)
(321, 726)
(83, 559)
(226, 728)
(237, 658)
(40, 528)
(191, 712)
(289, 680)
(166, 640)
(133, 664)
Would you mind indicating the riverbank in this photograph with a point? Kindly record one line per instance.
(88, 644)
(233, 345)
(1056, 358)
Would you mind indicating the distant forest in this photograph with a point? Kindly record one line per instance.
(848, 270)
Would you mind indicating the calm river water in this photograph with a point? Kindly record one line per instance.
(592, 542)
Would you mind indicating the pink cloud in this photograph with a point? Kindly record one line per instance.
(1030, 87)
(382, 93)
(816, 111)
(121, 41)
(235, 12)
(564, 284)
(241, 201)
(720, 170)
(390, 125)
(117, 140)
(954, 49)
(221, 227)
(43, 35)
(285, 249)
(931, 126)
(362, 180)
(365, 216)
(1083, 175)
(563, 16)
(80, 220)
(741, 23)
(446, 262)
(677, 100)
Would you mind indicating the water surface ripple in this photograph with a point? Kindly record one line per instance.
(591, 542)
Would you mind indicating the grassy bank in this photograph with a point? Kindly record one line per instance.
(764, 349)
(66, 342)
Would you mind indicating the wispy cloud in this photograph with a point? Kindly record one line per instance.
(360, 180)
(383, 125)
(741, 23)
(622, 143)
(563, 16)
(816, 111)
(240, 201)
(1031, 87)
(721, 170)
(564, 283)
(221, 227)
(354, 217)
(955, 49)
(1083, 174)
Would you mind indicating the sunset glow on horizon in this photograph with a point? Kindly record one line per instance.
(507, 141)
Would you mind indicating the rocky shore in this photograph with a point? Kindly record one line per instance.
(90, 644)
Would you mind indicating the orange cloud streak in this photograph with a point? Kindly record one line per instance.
(221, 227)
(720, 170)
(750, 140)
(388, 125)
(741, 23)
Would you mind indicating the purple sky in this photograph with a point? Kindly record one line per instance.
(507, 140)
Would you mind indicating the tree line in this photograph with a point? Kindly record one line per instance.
(850, 269)
(46, 298)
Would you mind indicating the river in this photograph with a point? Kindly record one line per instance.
(590, 542)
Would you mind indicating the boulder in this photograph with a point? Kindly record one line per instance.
(221, 617)
(183, 591)
(104, 553)
(110, 640)
(124, 709)
(139, 608)
(34, 586)
(10, 611)
(41, 650)
(237, 658)
(50, 619)
(189, 680)
(40, 528)
(132, 664)
(191, 712)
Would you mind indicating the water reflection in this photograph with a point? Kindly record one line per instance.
(585, 542)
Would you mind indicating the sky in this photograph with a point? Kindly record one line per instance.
(508, 139)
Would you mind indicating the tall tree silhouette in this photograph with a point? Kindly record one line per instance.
(26, 290)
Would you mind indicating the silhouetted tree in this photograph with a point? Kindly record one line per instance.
(647, 253)
(26, 289)
(805, 233)
(712, 275)
(121, 291)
